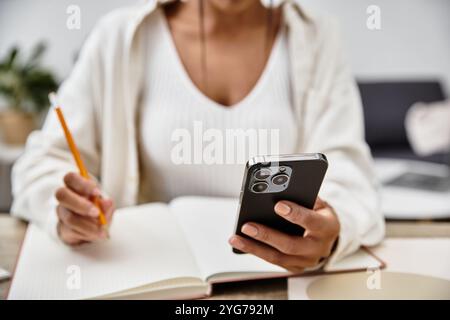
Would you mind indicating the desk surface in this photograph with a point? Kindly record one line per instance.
(12, 232)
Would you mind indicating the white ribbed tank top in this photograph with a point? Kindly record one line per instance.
(191, 145)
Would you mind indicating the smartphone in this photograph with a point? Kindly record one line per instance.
(269, 179)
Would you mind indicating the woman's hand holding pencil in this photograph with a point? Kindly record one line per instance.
(84, 216)
(78, 216)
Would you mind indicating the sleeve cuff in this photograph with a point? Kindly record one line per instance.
(52, 220)
(347, 242)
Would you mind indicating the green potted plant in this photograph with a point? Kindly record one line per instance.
(24, 88)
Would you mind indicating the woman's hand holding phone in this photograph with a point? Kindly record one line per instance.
(77, 215)
(293, 253)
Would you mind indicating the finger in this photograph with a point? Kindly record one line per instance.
(69, 236)
(76, 203)
(333, 222)
(88, 228)
(327, 248)
(82, 186)
(108, 208)
(301, 216)
(292, 245)
(272, 255)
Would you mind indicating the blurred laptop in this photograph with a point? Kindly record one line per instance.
(422, 181)
(414, 186)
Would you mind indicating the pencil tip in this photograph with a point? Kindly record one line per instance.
(106, 230)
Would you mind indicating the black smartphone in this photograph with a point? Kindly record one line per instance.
(269, 179)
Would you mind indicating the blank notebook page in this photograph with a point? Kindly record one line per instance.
(208, 223)
(127, 260)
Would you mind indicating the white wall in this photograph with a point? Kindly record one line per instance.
(414, 40)
(25, 22)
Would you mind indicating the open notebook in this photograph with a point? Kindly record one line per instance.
(157, 250)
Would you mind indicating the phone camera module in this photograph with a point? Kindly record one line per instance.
(262, 174)
(260, 187)
(280, 179)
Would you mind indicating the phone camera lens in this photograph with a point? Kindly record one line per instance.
(262, 174)
(280, 179)
(260, 187)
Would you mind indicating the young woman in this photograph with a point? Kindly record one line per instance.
(149, 70)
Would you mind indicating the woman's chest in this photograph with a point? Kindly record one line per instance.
(180, 127)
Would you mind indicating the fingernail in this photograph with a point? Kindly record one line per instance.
(96, 192)
(250, 230)
(282, 208)
(236, 243)
(94, 212)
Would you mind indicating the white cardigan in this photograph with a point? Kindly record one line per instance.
(102, 94)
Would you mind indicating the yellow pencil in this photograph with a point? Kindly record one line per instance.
(76, 154)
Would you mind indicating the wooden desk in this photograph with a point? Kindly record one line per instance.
(12, 232)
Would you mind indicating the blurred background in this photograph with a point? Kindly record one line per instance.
(402, 68)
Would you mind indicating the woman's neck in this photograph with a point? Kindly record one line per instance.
(220, 22)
